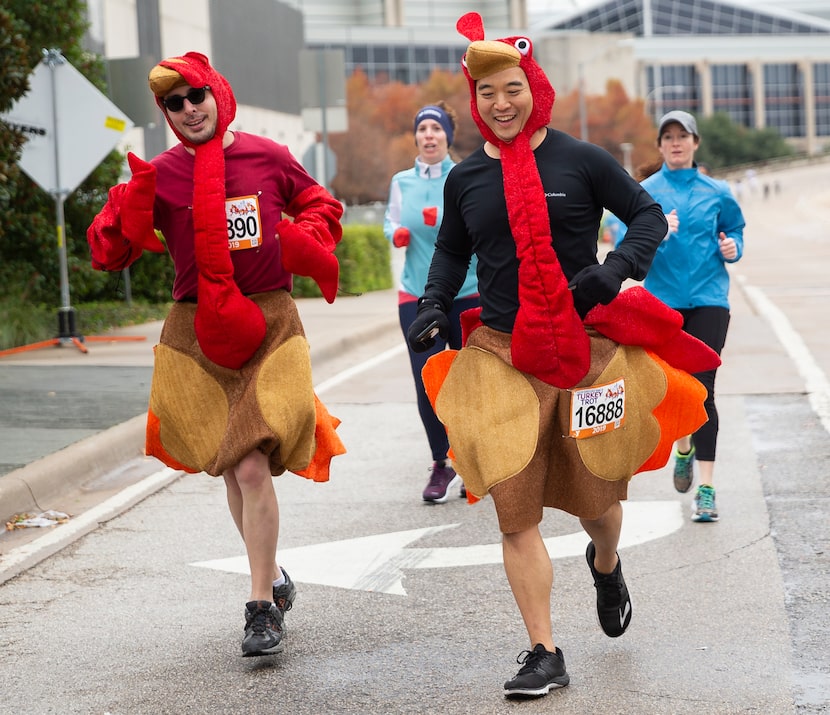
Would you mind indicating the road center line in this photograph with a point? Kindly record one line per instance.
(348, 373)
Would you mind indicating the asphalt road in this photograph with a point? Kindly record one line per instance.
(403, 607)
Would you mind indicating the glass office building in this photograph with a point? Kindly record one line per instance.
(763, 66)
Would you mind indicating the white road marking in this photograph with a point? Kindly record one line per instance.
(377, 563)
(815, 381)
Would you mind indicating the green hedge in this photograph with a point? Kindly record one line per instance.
(364, 266)
(365, 263)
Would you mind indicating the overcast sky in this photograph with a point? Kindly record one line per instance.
(545, 9)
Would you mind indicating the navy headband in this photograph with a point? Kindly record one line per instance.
(439, 115)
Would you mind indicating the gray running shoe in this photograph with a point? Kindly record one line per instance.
(284, 595)
(684, 470)
(263, 629)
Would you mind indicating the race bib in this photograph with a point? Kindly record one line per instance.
(244, 228)
(597, 409)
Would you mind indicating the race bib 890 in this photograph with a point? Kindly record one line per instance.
(597, 409)
(244, 229)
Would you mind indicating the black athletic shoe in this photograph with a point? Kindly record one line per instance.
(613, 601)
(263, 629)
(284, 595)
(541, 672)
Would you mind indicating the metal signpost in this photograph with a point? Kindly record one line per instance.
(323, 100)
(70, 128)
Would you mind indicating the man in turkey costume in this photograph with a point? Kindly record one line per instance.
(232, 392)
(565, 387)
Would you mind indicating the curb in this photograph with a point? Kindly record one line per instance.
(28, 488)
(336, 348)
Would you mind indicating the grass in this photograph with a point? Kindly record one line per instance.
(23, 324)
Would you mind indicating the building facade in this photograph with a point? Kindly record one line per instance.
(762, 65)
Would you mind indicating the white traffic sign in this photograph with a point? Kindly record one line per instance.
(70, 126)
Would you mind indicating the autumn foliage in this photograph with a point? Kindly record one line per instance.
(380, 140)
(612, 120)
(381, 137)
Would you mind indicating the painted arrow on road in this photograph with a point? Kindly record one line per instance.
(377, 563)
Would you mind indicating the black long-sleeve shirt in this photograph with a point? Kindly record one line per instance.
(579, 179)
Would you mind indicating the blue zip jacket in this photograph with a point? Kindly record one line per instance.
(410, 192)
(688, 270)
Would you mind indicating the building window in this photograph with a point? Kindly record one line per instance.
(821, 86)
(401, 63)
(683, 17)
(672, 87)
(732, 93)
(784, 99)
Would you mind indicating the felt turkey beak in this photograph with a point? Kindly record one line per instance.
(486, 57)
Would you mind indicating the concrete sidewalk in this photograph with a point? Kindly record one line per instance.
(69, 418)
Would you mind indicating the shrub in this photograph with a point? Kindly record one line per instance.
(23, 324)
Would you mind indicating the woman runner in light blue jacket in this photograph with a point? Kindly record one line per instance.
(413, 217)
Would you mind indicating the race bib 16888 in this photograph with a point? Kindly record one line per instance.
(597, 409)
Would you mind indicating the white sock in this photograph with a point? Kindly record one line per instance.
(280, 581)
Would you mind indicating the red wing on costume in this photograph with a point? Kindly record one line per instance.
(308, 242)
(124, 227)
(637, 317)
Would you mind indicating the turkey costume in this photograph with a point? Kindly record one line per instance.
(232, 372)
(557, 391)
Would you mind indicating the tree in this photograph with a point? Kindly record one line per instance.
(725, 143)
(612, 120)
(380, 140)
(13, 84)
(29, 263)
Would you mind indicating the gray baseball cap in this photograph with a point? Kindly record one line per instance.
(684, 119)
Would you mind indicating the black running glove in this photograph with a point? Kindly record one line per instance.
(430, 321)
(598, 283)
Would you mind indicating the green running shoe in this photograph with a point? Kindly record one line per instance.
(704, 504)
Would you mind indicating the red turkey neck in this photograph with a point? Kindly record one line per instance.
(549, 340)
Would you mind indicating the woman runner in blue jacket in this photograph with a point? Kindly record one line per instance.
(689, 274)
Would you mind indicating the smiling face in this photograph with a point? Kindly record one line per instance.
(677, 146)
(195, 122)
(504, 102)
(431, 140)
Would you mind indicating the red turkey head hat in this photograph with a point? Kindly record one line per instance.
(486, 57)
(193, 69)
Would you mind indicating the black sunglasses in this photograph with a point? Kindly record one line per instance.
(196, 95)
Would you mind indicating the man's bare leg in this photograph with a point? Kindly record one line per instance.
(530, 574)
(253, 505)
